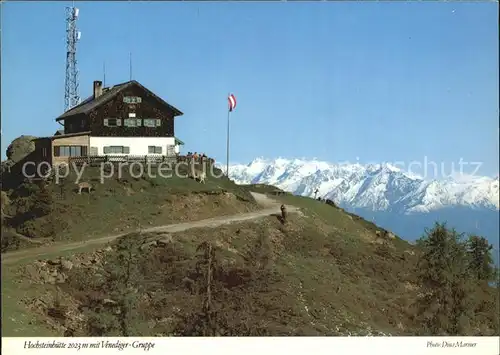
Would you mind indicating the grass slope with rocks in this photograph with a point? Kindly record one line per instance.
(48, 212)
(323, 272)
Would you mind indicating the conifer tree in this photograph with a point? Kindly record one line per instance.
(481, 260)
(442, 273)
(122, 285)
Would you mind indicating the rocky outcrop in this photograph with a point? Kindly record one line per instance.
(20, 148)
(4, 202)
(55, 271)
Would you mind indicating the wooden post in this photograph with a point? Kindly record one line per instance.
(227, 144)
(209, 282)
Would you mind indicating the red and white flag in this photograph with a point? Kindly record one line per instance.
(232, 102)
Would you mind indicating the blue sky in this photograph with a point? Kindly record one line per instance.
(337, 81)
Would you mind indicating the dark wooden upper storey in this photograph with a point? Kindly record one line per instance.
(124, 110)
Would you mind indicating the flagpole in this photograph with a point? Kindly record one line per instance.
(227, 143)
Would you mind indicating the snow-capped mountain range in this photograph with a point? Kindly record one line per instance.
(380, 187)
(386, 195)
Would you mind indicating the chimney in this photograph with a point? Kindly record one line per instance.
(97, 89)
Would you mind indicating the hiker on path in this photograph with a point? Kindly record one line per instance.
(283, 214)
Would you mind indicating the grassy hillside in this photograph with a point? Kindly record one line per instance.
(291, 279)
(55, 211)
(324, 272)
(262, 188)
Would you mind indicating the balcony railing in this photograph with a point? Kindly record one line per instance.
(94, 160)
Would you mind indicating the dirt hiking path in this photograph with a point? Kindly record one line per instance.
(269, 205)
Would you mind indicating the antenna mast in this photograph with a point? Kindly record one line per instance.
(130, 65)
(71, 97)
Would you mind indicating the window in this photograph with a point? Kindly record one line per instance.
(149, 122)
(44, 152)
(116, 150)
(75, 151)
(132, 99)
(132, 122)
(154, 150)
(84, 123)
(170, 150)
(112, 122)
(70, 151)
(152, 122)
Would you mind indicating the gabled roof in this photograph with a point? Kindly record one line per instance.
(90, 103)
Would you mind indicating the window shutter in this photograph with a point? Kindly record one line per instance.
(57, 151)
(105, 121)
(126, 150)
(84, 150)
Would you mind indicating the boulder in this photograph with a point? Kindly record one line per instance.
(48, 277)
(40, 263)
(20, 148)
(66, 264)
(4, 202)
(166, 240)
(161, 243)
(60, 278)
(147, 245)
